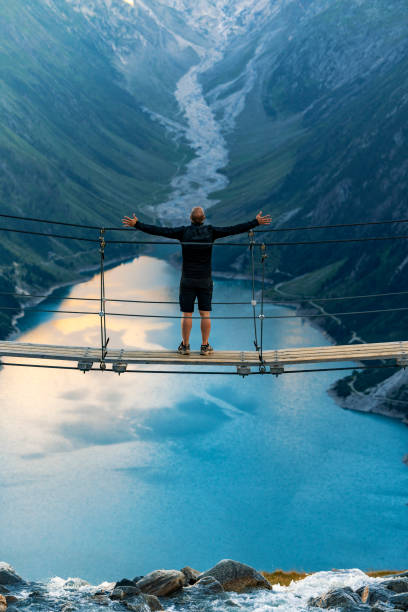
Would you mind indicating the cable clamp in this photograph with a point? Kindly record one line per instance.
(85, 365)
(253, 302)
(277, 369)
(101, 314)
(119, 367)
(102, 242)
(261, 316)
(243, 370)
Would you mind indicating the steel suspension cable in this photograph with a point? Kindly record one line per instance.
(271, 244)
(59, 367)
(275, 229)
(332, 226)
(226, 318)
(262, 316)
(46, 235)
(217, 244)
(284, 300)
(253, 302)
(102, 312)
(195, 372)
(50, 222)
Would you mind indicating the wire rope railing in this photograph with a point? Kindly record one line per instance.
(216, 244)
(284, 300)
(205, 372)
(253, 245)
(274, 229)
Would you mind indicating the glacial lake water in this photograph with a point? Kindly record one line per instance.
(105, 476)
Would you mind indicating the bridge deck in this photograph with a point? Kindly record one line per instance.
(281, 357)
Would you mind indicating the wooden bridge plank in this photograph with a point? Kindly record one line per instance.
(305, 355)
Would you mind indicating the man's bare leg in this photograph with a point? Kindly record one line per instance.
(205, 325)
(186, 325)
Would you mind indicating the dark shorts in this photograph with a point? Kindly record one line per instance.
(190, 289)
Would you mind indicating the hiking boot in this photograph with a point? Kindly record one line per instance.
(184, 349)
(206, 349)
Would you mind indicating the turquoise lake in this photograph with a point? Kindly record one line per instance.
(105, 476)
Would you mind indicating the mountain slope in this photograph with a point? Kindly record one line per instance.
(333, 108)
(75, 143)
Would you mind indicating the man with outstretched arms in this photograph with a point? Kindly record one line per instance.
(196, 281)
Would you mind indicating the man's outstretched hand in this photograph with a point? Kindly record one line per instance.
(263, 220)
(130, 222)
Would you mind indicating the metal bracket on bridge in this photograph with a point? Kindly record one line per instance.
(85, 365)
(119, 367)
(277, 369)
(243, 370)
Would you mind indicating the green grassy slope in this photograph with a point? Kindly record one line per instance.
(340, 86)
(74, 143)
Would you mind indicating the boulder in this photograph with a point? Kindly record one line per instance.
(397, 585)
(162, 582)
(373, 593)
(344, 598)
(10, 599)
(73, 584)
(231, 603)
(144, 603)
(137, 578)
(101, 599)
(124, 592)
(235, 576)
(125, 582)
(190, 574)
(3, 603)
(400, 600)
(381, 607)
(205, 586)
(8, 574)
(152, 602)
(137, 605)
(36, 595)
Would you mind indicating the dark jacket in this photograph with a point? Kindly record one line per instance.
(196, 257)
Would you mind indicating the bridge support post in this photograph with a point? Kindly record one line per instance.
(102, 312)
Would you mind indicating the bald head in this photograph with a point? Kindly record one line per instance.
(197, 215)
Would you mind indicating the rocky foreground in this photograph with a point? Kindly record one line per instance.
(229, 584)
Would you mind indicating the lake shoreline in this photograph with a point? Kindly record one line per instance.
(352, 402)
(227, 584)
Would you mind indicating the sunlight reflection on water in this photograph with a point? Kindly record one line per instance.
(168, 470)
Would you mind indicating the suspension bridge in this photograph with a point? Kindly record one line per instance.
(261, 360)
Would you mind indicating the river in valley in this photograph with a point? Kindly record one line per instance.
(105, 476)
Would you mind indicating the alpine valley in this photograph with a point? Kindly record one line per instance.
(294, 107)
